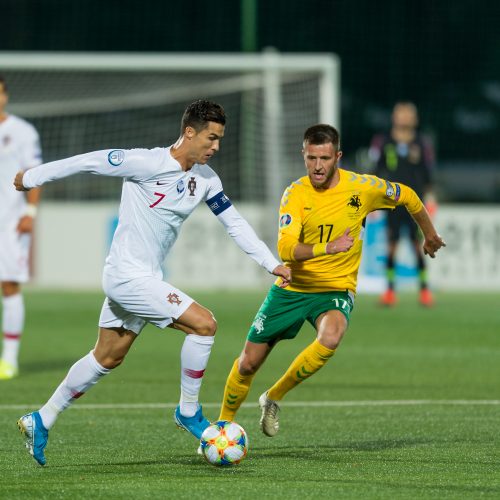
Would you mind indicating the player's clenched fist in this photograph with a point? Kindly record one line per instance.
(285, 273)
(18, 182)
(341, 244)
(433, 244)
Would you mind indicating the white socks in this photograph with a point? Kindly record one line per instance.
(12, 326)
(87, 371)
(81, 377)
(194, 358)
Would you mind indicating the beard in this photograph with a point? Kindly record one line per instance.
(325, 183)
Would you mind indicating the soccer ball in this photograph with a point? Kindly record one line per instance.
(224, 443)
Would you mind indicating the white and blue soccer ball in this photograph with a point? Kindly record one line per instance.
(224, 443)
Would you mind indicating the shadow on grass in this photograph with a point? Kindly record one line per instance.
(46, 365)
(318, 451)
(261, 453)
(177, 466)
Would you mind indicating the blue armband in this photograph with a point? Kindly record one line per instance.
(218, 203)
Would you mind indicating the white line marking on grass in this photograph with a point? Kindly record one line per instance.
(294, 404)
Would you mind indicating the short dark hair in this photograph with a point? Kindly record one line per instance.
(3, 82)
(199, 113)
(406, 104)
(322, 134)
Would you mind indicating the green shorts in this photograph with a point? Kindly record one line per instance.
(283, 312)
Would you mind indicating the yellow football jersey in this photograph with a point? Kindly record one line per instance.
(309, 215)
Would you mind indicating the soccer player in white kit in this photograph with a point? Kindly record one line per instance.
(19, 149)
(161, 188)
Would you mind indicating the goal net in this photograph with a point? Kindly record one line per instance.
(83, 102)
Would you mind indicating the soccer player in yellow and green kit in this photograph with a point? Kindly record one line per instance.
(321, 228)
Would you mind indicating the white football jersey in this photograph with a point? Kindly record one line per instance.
(157, 197)
(19, 150)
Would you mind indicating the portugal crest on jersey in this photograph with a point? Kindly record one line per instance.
(173, 298)
(192, 186)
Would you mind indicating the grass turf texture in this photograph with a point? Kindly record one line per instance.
(323, 450)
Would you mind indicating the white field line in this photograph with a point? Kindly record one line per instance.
(291, 404)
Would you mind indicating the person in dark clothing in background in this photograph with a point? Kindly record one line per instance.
(405, 155)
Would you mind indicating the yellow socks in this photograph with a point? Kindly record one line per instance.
(235, 392)
(309, 361)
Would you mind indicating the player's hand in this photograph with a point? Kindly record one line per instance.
(25, 224)
(341, 244)
(433, 244)
(18, 182)
(284, 273)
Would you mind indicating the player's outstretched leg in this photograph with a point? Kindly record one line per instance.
(307, 363)
(195, 424)
(269, 420)
(36, 435)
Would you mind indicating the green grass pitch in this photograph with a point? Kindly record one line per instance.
(407, 408)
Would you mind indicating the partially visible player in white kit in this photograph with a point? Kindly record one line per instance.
(161, 188)
(19, 149)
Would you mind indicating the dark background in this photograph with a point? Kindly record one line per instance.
(443, 55)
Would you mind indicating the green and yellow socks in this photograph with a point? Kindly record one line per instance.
(235, 392)
(308, 362)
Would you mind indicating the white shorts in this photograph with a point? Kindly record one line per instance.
(14, 256)
(134, 303)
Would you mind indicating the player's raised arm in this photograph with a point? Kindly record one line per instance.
(131, 163)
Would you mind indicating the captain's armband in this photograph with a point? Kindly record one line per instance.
(219, 203)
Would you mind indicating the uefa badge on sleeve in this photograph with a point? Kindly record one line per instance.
(116, 157)
(285, 220)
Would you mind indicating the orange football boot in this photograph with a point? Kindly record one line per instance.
(388, 298)
(425, 298)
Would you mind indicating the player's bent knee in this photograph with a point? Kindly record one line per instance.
(331, 339)
(10, 288)
(110, 362)
(247, 367)
(208, 327)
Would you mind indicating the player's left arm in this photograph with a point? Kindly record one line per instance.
(404, 195)
(432, 240)
(245, 237)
